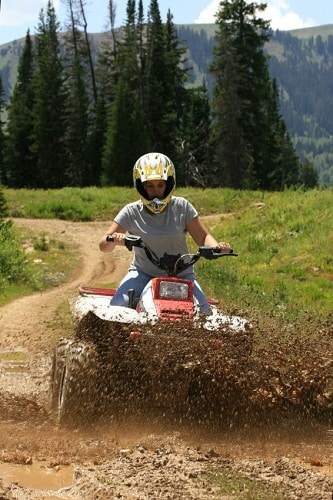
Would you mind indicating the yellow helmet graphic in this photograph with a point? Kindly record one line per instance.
(151, 167)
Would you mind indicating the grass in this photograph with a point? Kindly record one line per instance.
(94, 203)
(68, 203)
(238, 486)
(285, 258)
(284, 241)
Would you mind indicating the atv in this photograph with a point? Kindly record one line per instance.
(158, 353)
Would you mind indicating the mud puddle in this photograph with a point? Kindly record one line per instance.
(37, 476)
(14, 361)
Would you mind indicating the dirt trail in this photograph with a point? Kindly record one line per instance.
(20, 323)
(122, 460)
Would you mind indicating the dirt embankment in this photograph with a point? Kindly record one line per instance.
(129, 460)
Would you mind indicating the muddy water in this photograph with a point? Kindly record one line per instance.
(38, 476)
(16, 361)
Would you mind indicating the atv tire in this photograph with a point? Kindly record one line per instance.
(74, 394)
(58, 363)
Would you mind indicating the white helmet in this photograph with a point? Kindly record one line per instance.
(151, 167)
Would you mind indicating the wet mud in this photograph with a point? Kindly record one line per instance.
(166, 401)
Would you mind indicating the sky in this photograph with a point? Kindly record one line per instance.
(17, 16)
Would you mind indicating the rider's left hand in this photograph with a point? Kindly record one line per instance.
(224, 247)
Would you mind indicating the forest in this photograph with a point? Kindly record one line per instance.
(80, 104)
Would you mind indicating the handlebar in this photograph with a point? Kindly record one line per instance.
(173, 264)
(130, 241)
(214, 253)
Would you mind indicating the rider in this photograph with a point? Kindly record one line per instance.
(162, 221)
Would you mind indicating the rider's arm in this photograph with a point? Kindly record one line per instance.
(118, 234)
(203, 238)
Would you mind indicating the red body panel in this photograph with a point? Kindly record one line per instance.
(97, 291)
(173, 309)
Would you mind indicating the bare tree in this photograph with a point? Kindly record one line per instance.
(88, 47)
(112, 19)
(80, 39)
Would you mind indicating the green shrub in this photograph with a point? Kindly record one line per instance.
(14, 266)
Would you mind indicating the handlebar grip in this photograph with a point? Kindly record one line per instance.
(218, 250)
(215, 253)
(130, 241)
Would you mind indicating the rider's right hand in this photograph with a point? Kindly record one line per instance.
(116, 238)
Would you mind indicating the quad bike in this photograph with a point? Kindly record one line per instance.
(156, 354)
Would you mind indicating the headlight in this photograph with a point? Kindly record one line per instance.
(172, 290)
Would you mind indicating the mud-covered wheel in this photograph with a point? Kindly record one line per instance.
(58, 363)
(77, 389)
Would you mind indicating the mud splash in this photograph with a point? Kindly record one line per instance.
(230, 399)
(215, 378)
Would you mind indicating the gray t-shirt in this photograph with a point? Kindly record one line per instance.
(163, 233)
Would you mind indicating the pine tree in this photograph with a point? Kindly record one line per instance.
(153, 79)
(195, 132)
(95, 142)
(283, 169)
(107, 74)
(20, 161)
(149, 93)
(231, 156)
(77, 171)
(308, 176)
(248, 133)
(125, 137)
(50, 102)
(79, 86)
(126, 133)
(163, 85)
